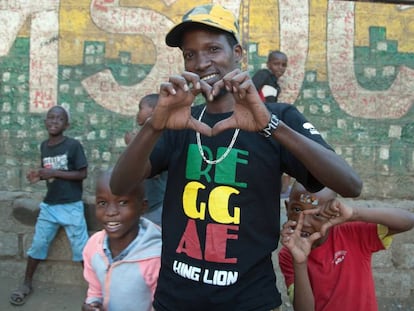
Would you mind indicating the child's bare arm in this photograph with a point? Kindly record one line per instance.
(303, 299)
(300, 246)
(395, 219)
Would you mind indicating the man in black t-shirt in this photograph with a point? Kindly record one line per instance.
(224, 160)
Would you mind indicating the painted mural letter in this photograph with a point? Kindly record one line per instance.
(109, 16)
(43, 46)
(294, 41)
(351, 97)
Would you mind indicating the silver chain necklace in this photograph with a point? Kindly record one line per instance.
(225, 154)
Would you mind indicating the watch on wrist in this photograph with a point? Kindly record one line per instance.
(271, 127)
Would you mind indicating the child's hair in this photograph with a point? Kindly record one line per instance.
(138, 189)
(66, 111)
(298, 187)
(274, 54)
(151, 99)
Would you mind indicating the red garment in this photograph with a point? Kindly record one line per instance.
(340, 269)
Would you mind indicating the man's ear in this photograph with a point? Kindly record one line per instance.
(238, 53)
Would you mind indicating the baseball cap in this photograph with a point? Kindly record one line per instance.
(212, 15)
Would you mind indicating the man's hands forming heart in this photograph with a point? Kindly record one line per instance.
(173, 110)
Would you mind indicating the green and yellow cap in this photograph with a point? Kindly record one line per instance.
(212, 15)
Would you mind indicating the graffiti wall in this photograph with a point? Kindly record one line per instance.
(351, 72)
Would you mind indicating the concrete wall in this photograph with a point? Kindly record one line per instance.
(351, 72)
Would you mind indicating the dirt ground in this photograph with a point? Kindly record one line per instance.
(45, 297)
(48, 297)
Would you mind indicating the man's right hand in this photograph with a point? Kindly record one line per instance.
(173, 110)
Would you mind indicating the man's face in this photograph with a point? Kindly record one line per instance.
(209, 54)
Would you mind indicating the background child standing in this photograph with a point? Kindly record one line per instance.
(145, 108)
(155, 186)
(266, 80)
(122, 261)
(328, 247)
(63, 167)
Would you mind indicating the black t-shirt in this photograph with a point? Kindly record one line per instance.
(68, 155)
(221, 222)
(267, 86)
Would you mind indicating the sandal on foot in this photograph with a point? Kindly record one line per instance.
(19, 296)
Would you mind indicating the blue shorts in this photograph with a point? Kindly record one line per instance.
(51, 217)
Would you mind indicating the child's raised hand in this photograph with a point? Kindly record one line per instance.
(335, 212)
(299, 243)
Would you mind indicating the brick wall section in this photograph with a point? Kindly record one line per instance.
(393, 269)
(18, 212)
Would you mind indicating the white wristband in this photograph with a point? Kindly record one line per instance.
(271, 127)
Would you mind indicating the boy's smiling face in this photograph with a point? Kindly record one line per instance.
(301, 200)
(119, 215)
(56, 121)
(277, 65)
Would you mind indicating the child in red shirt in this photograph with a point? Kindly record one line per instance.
(327, 250)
